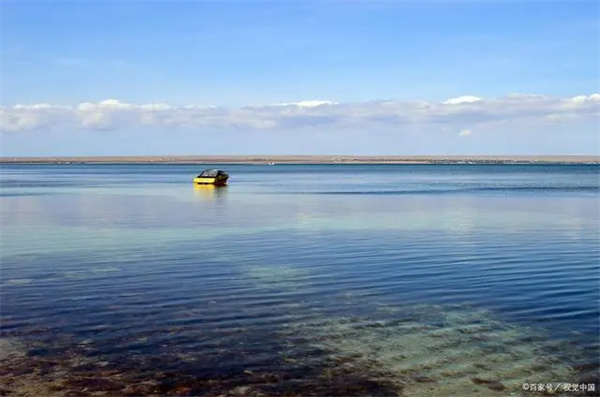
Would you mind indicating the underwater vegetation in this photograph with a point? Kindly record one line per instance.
(429, 350)
(412, 350)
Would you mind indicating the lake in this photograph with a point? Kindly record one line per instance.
(418, 280)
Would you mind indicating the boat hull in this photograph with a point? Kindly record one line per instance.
(210, 181)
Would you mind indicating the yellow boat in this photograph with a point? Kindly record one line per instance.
(212, 177)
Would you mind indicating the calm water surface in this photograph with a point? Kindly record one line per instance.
(299, 279)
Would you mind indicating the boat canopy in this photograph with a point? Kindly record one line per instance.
(212, 173)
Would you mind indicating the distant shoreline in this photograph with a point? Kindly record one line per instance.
(302, 159)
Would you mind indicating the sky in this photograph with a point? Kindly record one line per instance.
(385, 77)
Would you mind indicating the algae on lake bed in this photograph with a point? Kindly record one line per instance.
(442, 351)
(421, 350)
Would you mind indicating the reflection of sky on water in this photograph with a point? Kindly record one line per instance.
(62, 220)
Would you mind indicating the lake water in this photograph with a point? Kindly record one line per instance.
(423, 280)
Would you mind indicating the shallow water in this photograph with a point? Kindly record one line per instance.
(299, 279)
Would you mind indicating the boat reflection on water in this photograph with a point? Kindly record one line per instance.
(210, 192)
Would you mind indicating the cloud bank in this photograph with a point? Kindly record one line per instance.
(463, 111)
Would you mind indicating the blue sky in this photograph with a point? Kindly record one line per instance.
(339, 77)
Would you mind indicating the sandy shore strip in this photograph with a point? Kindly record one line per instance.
(305, 159)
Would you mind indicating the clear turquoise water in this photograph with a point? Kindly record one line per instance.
(447, 273)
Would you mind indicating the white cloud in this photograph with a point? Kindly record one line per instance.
(33, 117)
(465, 132)
(112, 114)
(306, 104)
(586, 98)
(463, 99)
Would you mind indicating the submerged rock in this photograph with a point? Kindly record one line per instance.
(422, 378)
(490, 384)
(11, 348)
